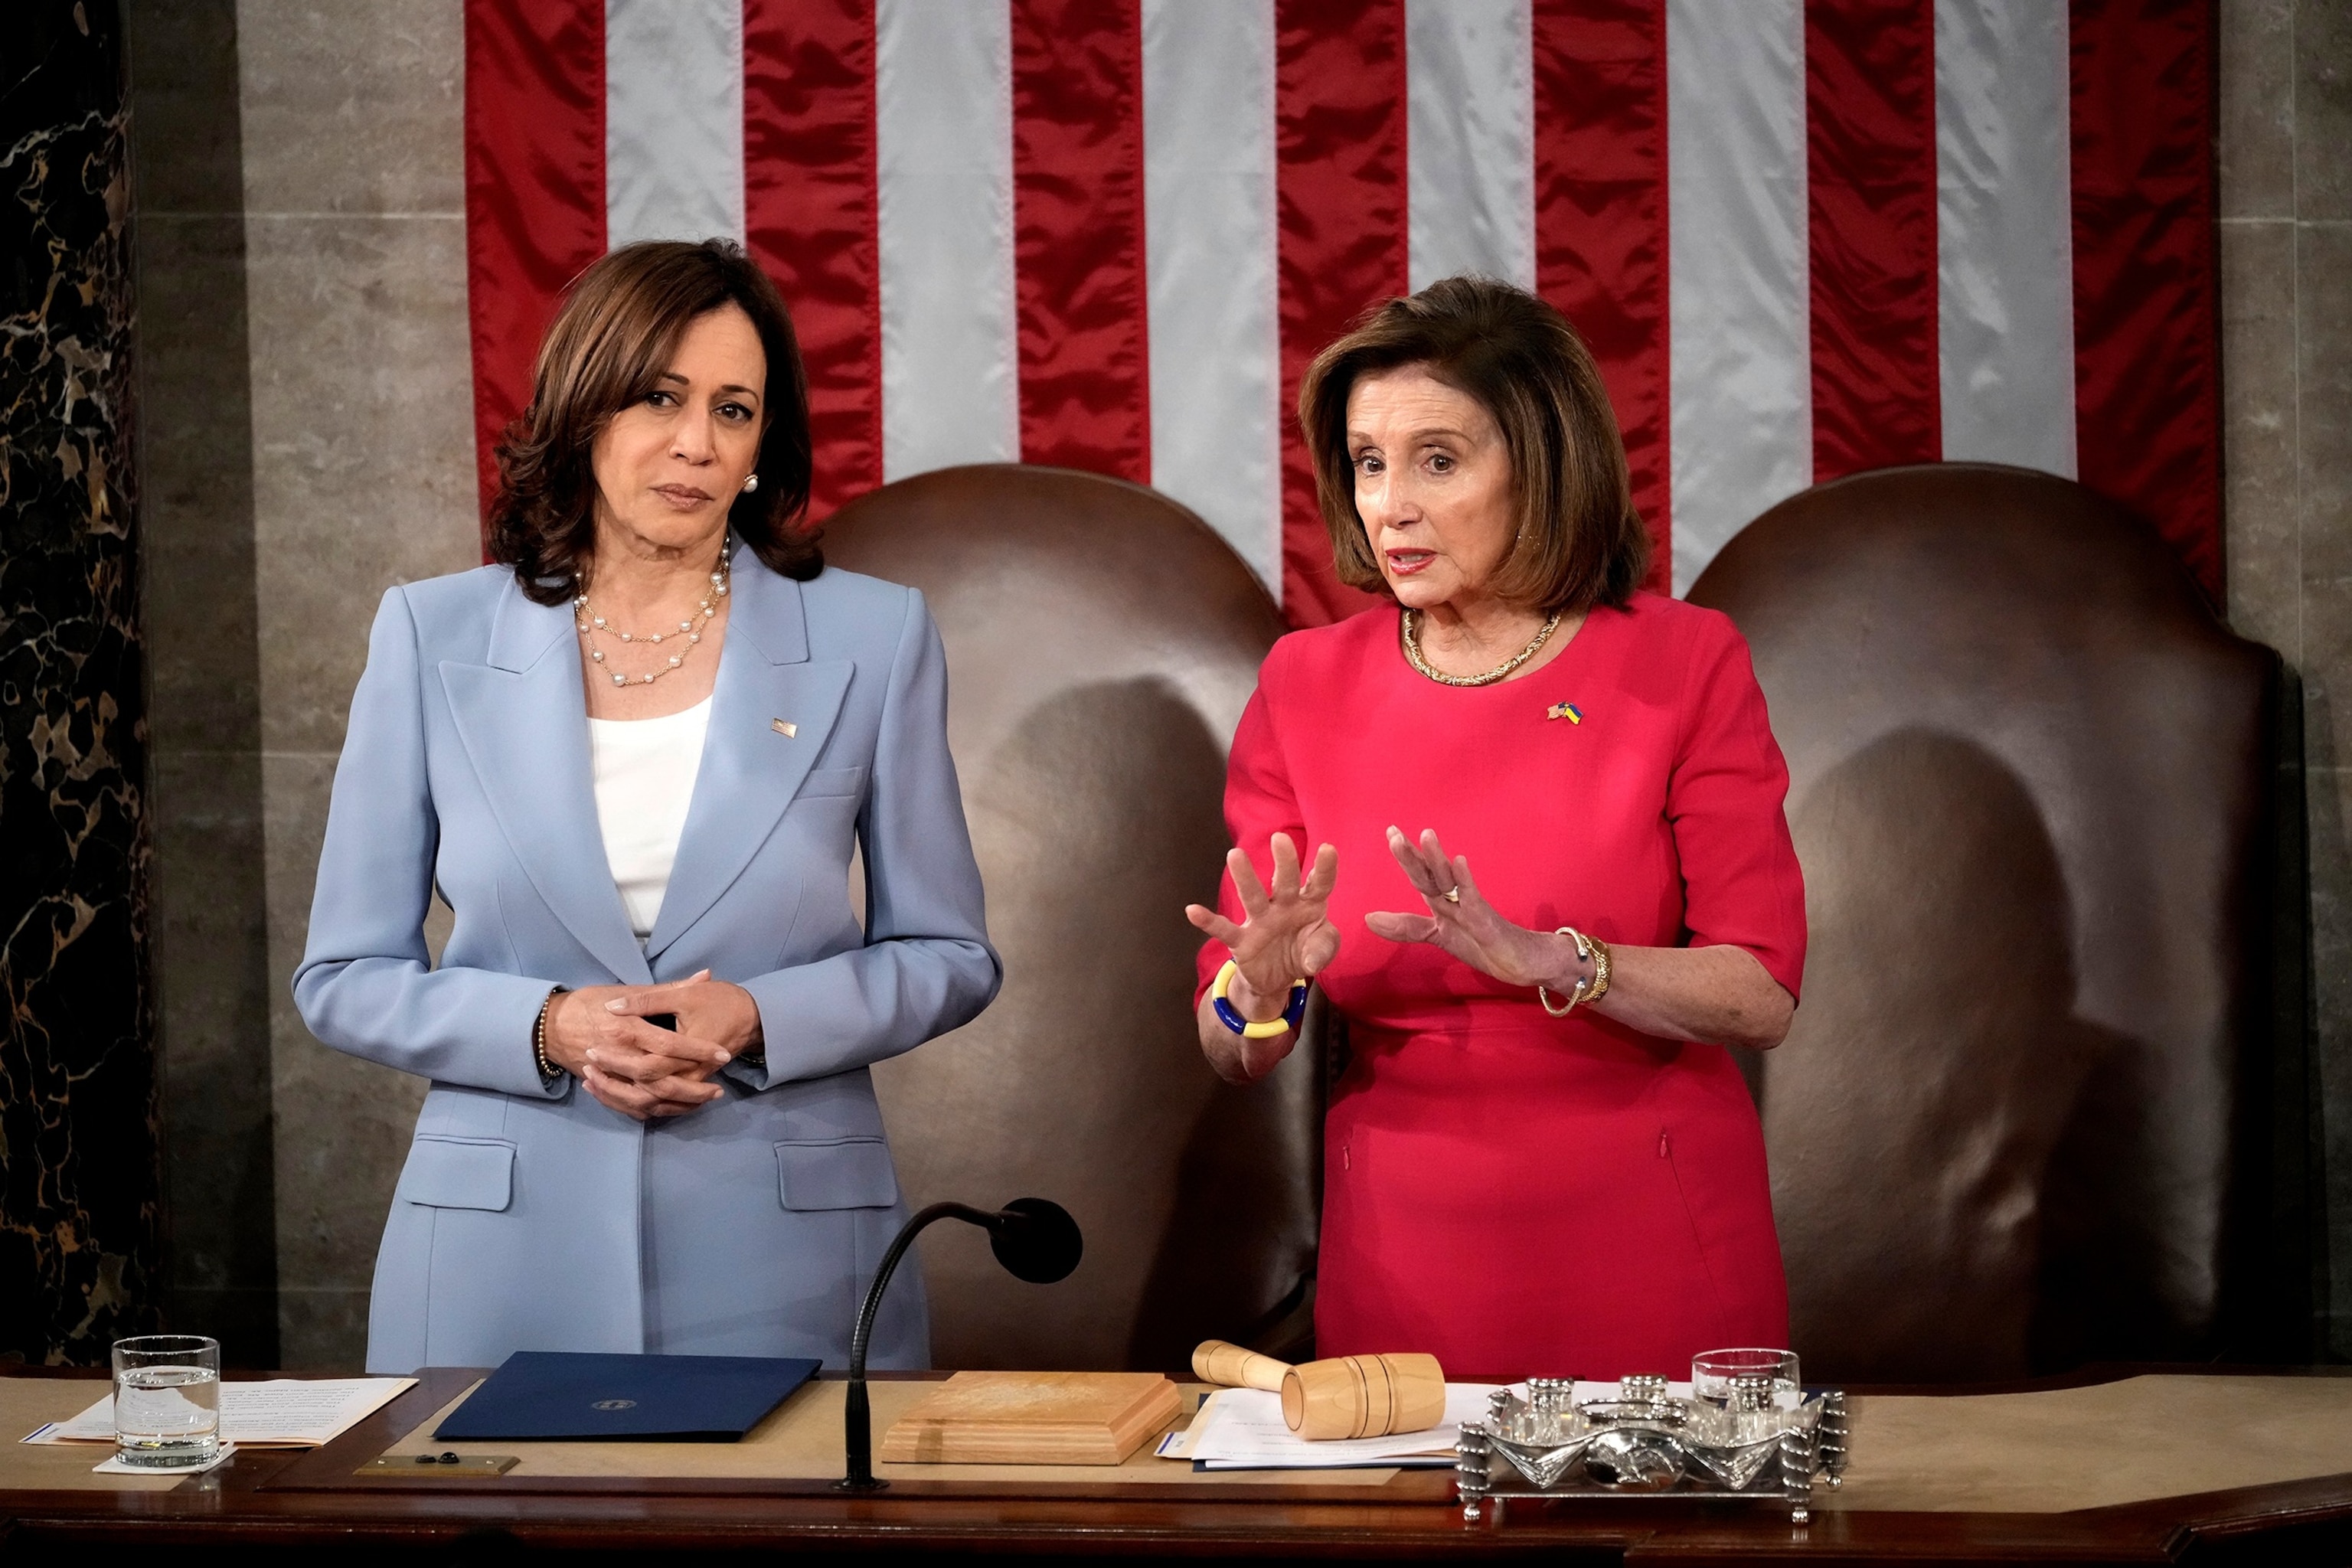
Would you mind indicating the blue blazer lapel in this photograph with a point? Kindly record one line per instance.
(523, 719)
(750, 769)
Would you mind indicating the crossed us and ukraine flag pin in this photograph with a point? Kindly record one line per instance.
(1567, 711)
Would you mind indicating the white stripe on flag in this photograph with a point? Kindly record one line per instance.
(1209, 239)
(943, 145)
(1470, 140)
(2004, 233)
(673, 120)
(1742, 351)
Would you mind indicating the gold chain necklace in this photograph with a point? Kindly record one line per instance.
(590, 623)
(1411, 636)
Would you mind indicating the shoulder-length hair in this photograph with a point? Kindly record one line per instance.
(1578, 541)
(617, 333)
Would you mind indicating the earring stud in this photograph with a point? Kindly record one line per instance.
(750, 482)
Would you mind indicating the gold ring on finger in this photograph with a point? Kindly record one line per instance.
(1451, 895)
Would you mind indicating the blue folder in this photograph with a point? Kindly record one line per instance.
(551, 1396)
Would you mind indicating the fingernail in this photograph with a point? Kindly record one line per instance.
(591, 1053)
(614, 1005)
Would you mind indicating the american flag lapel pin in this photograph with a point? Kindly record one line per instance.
(782, 727)
(1567, 711)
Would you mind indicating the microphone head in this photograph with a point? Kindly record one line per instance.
(1037, 1241)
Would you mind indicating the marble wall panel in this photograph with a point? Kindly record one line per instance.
(363, 477)
(354, 106)
(2323, 361)
(363, 445)
(186, 149)
(220, 1150)
(211, 925)
(2323, 109)
(80, 1184)
(342, 1124)
(2257, 108)
(2258, 431)
(2319, 99)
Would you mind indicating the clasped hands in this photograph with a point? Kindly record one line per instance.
(599, 1034)
(1287, 933)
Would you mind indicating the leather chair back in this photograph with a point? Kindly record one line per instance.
(2029, 779)
(1101, 641)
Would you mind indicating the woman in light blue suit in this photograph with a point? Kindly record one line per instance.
(634, 759)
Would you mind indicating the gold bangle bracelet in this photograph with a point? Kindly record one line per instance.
(1588, 949)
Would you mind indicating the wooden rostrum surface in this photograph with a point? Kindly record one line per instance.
(266, 1505)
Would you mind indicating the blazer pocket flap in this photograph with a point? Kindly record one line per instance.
(457, 1174)
(835, 1174)
(821, 782)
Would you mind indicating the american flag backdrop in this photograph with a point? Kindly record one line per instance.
(1804, 238)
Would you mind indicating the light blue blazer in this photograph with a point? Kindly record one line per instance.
(534, 1219)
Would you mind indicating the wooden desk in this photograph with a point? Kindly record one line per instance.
(266, 1504)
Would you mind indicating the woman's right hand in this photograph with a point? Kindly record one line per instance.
(637, 1069)
(1287, 934)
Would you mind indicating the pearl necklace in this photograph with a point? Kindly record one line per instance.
(590, 623)
(1411, 632)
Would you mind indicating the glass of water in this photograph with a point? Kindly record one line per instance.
(167, 1401)
(1755, 1377)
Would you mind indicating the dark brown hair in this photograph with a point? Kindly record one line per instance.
(617, 333)
(1580, 542)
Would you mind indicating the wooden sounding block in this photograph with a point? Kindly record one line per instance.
(1033, 1418)
(1348, 1396)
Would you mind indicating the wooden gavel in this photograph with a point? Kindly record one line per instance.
(1348, 1396)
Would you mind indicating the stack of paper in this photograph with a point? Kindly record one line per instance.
(1241, 1429)
(279, 1413)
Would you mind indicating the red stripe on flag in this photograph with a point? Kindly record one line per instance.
(2146, 339)
(1339, 186)
(534, 188)
(1600, 218)
(1870, 133)
(809, 207)
(1078, 225)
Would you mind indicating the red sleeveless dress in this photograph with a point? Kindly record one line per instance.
(1514, 1194)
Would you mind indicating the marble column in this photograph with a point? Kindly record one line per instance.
(78, 1182)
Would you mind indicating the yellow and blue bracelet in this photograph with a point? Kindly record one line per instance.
(1231, 1016)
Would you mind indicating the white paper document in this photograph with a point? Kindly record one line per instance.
(277, 1413)
(1241, 1429)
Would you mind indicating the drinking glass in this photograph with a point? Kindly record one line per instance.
(1714, 1375)
(167, 1401)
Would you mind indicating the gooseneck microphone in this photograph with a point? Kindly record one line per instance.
(1035, 1240)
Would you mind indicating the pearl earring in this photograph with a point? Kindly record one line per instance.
(751, 482)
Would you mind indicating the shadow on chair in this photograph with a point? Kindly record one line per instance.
(2022, 1118)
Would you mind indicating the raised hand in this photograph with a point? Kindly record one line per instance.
(1461, 922)
(1286, 933)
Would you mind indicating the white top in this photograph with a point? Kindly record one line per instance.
(644, 772)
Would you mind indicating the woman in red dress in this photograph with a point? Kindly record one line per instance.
(1539, 1158)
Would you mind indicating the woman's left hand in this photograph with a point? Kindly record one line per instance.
(1467, 925)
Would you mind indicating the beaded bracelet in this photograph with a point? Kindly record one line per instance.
(548, 1071)
(1231, 1016)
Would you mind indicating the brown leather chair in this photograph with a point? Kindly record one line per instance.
(1101, 641)
(2028, 777)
